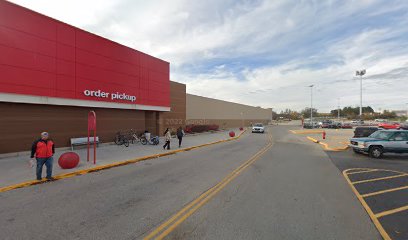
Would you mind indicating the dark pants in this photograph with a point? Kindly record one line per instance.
(180, 140)
(48, 164)
(167, 145)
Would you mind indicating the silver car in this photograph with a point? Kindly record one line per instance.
(380, 142)
(258, 128)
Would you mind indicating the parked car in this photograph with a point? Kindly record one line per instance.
(258, 128)
(346, 126)
(357, 122)
(404, 126)
(380, 120)
(389, 125)
(309, 125)
(335, 125)
(360, 132)
(325, 123)
(380, 142)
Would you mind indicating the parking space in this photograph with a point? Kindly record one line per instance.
(384, 195)
(381, 185)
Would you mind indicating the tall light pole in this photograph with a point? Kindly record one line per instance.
(338, 109)
(361, 73)
(311, 104)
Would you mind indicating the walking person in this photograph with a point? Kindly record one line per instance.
(43, 149)
(167, 136)
(180, 135)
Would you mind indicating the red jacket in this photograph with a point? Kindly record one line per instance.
(43, 148)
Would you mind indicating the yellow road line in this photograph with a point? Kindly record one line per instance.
(168, 226)
(356, 170)
(112, 165)
(370, 213)
(191, 204)
(379, 179)
(392, 211)
(384, 191)
(365, 171)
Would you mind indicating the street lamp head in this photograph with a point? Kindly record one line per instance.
(361, 72)
(310, 85)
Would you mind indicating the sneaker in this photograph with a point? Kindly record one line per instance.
(50, 179)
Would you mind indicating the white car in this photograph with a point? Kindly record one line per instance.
(258, 128)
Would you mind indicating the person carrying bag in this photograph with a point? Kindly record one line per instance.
(167, 136)
(180, 135)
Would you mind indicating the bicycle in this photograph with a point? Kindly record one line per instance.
(153, 140)
(134, 138)
(121, 139)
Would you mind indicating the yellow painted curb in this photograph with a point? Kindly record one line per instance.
(117, 164)
(306, 131)
(326, 146)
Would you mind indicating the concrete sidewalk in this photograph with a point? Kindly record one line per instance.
(16, 169)
(335, 138)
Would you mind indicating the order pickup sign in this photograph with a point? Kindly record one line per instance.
(112, 96)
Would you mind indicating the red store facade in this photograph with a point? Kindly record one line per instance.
(52, 74)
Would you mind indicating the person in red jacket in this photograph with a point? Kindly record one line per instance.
(43, 149)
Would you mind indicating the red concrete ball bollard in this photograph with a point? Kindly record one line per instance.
(241, 128)
(232, 134)
(68, 160)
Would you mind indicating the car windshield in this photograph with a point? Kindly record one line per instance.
(381, 135)
(258, 125)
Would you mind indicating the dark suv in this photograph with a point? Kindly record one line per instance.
(360, 132)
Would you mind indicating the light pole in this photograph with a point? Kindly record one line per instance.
(361, 73)
(242, 119)
(338, 109)
(311, 105)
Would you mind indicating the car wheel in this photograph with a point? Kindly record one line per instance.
(376, 152)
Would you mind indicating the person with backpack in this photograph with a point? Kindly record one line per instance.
(180, 135)
(167, 137)
(43, 149)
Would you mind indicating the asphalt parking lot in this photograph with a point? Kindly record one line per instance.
(381, 185)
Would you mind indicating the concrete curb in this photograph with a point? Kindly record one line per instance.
(117, 164)
(326, 146)
(310, 131)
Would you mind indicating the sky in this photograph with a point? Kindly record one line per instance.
(262, 53)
